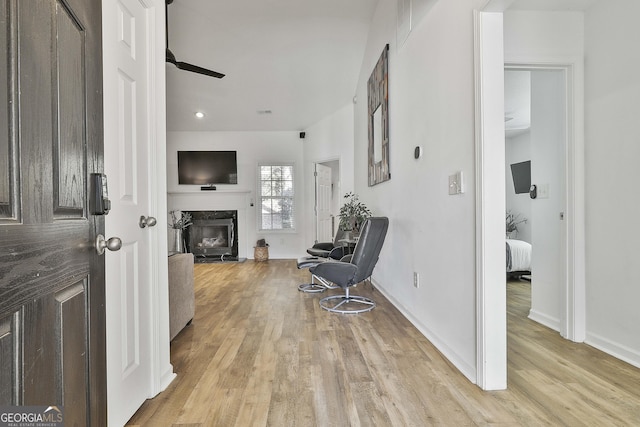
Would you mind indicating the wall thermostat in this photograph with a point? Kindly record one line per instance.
(417, 152)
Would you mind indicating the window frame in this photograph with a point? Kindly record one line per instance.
(260, 197)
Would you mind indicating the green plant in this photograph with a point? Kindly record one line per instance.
(353, 213)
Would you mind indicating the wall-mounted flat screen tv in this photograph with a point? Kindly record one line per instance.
(521, 173)
(207, 167)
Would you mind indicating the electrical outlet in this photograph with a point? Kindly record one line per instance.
(416, 279)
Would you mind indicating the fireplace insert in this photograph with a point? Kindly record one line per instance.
(211, 237)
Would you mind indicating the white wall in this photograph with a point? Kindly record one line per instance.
(329, 139)
(543, 36)
(431, 99)
(253, 148)
(612, 153)
(518, 149)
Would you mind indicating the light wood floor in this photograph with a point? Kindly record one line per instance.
(260, 353)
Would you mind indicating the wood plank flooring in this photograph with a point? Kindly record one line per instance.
(260, 353)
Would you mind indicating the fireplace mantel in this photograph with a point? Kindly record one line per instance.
(240, 200)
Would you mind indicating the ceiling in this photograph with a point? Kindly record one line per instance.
(288, 63)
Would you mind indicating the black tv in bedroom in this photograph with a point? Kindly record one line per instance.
(207, 167)
(521, 173)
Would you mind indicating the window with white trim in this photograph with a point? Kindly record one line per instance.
(276, 197)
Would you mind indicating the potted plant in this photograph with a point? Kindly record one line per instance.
(512, 222)
(353, 214)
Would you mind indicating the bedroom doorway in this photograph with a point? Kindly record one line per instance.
(536, 137)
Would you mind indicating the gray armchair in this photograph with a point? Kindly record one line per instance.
(321, 252)
(335, 249)
(353, 269)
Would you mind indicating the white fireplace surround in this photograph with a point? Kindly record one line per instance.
(238, 200)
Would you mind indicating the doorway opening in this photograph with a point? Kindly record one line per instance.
(327, 199)
(490, 207)
(536, 135)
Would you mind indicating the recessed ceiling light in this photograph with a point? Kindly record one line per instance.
(199, 114)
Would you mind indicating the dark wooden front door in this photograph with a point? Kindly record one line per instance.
(52, 314)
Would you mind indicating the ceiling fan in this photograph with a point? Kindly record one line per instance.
(170, 57)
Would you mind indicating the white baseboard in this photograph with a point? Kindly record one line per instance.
(614, 349)
(467, 370)
(167, 377)
(543, 319)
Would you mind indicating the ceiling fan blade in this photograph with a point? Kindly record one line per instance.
(195, 69)
(170, 57)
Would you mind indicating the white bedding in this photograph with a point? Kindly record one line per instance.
(518, 255)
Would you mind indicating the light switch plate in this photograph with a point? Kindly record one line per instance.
(460, 180)
(543, 191)
(453, 185)
(456, 185)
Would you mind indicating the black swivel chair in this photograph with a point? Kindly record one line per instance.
(321, 252)
(335, 249)
(353, 269)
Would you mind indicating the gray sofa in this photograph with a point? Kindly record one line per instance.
(181, 292)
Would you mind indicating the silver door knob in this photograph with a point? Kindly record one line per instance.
(147, 221)
(113, 244)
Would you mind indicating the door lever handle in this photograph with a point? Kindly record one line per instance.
(147, 221)
(113, 244)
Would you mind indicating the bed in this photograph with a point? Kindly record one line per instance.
(518, 257)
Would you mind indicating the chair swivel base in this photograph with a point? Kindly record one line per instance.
(347, 304)
(314, 288)
(311, 287)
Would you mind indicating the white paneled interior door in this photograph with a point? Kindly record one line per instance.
(126, 46)
(324, 231)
